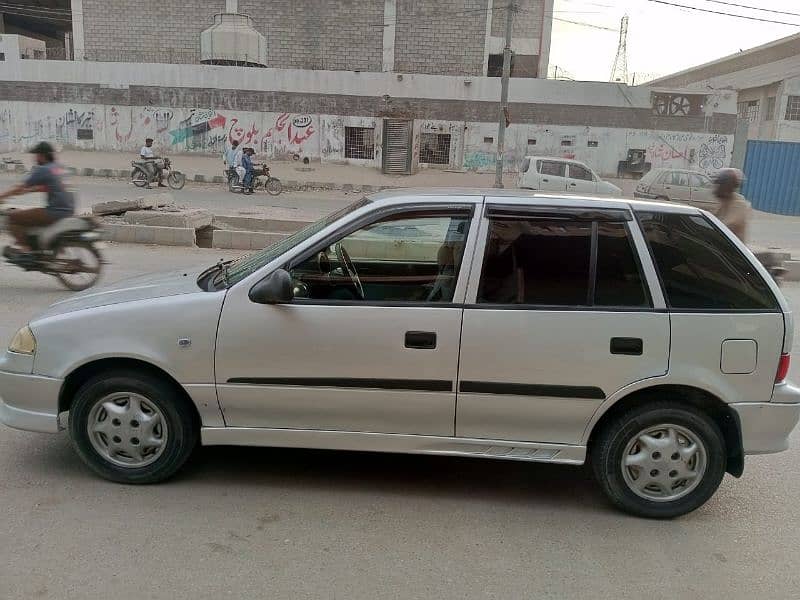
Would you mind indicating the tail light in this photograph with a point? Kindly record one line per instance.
(783, 368)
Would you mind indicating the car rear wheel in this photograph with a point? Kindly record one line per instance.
(659, 460)
(132, 428)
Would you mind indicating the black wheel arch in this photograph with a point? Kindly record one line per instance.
(726, 418)
(75, 380)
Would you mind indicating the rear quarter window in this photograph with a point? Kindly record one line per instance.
(700, 268)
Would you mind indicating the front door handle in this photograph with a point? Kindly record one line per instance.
(628, 346)
(546, 180)
(423, 340)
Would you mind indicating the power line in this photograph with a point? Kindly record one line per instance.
(769, 10)
(582, 24)
(726, 14)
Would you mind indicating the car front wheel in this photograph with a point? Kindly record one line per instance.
(660, 460)
(132, 428)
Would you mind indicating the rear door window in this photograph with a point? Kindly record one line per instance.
(700, 268)
(551, 262)
(553, 168)
(579, 172)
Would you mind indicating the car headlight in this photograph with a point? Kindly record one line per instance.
(23, 342)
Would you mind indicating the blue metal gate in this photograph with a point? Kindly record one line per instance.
(772, 176)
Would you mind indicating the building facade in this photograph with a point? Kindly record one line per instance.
(767, 80)
(394, 122)
(442, 37)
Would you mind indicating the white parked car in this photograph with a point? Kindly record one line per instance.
(678, 185)
(547, 174)
(643, 337)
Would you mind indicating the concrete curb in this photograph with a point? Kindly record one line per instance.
(145, 234)
(244, 240)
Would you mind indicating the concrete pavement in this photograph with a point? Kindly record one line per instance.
(267, 523)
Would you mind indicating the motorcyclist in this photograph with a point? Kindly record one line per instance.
(249, 174)
(46, 176)
(147, 155)
(733, 209)
(229, 156)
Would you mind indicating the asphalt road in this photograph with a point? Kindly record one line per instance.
(268, 523)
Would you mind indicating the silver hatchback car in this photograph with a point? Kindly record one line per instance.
(642, 337)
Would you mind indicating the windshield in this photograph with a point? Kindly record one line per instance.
(248, 264)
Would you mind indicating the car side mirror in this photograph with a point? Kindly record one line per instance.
(274, 289)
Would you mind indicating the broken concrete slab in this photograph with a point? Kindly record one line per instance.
(194, 218)
(118, 207)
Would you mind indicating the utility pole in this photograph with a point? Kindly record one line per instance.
(501, 130)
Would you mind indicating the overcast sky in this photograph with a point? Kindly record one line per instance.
(661, 39)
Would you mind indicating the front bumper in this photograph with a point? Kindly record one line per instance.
(766, 426)
(29, 402)
(643, 196)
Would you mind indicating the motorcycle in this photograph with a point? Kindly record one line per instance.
(143, 175)
(261, 180)
(773, 263)
(68, 249)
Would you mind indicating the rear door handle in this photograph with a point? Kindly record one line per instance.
(546, 180)
(627, 346)
(423, 340)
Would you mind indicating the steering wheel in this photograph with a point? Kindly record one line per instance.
(347, 262)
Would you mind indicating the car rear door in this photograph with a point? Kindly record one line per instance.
(702, 192)
(580, 179)
(559, 316)
(552, 175)
(676, 187)
(335, 361)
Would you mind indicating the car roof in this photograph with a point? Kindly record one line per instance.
(518, 196)
(556, 158)
(662, 169)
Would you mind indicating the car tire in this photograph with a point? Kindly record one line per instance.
(654, 442)
(132, 427)
(662, 199)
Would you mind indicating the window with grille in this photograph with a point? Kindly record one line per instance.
(770, 114)
(359, 142)
(793, 108)
(748, 110)
(434, 148)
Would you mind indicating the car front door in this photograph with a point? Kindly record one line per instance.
(370, 342)
(580, 179)
(552, 175)
(702, 192)
(559, 317)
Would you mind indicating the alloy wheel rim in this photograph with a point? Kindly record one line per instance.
(127, 429)
(664, 462)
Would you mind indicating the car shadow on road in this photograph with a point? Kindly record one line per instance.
(466, 480)
(396, 474)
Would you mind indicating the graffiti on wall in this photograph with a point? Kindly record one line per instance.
(713, 153)
(202, 129)
(288, 135)
(479, 160)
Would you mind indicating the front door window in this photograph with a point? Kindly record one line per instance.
(403, 258)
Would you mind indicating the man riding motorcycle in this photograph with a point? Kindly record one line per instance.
(46, 176)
